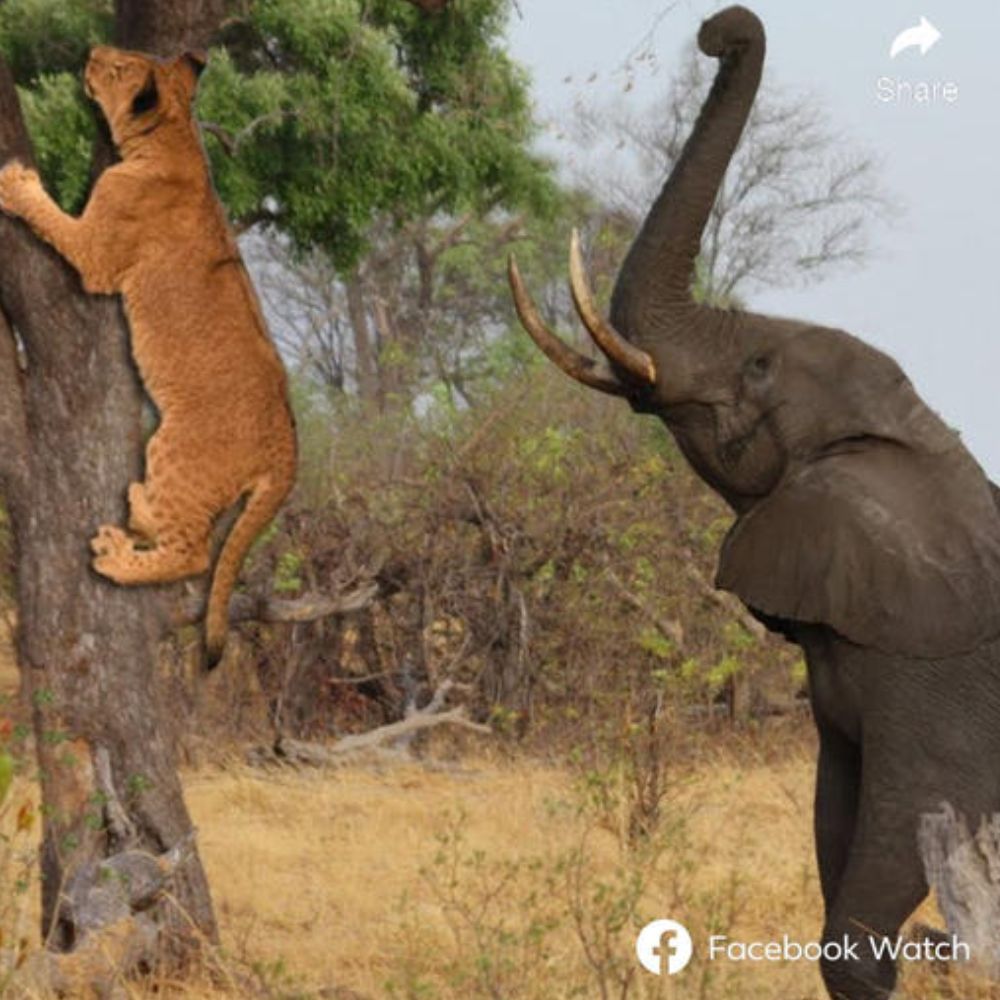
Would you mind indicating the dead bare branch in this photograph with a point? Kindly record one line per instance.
(231, 142)
(289, 751)
(385, 734)
(725, 600)
(668, 627)
(264, 608)
(797, 202)
(399, 735)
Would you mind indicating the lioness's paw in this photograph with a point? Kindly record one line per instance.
(109, 540)
(112, 550)
(16, 181)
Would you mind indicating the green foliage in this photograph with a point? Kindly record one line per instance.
(45, 37)
(288, 573)
(722, 671)
(542, 494)
(6, 774)
(655, 643)
(64, 134)
(324, 115)
(380, 113)
(798, 672)
(244, 105)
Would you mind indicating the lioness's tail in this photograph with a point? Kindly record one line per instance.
(262, 504)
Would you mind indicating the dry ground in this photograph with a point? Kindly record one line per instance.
(497, 880)
(355, 878)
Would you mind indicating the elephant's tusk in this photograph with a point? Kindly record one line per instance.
(595, 374)
(635, 361)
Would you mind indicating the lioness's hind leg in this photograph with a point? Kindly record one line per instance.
(175, 557)
(140, 514)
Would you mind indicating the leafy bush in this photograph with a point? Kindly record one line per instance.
(547, 550)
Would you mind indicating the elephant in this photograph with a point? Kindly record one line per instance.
(864, 530)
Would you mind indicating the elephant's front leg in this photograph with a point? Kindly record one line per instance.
(22, 195)
(838, 779)
(881, 885)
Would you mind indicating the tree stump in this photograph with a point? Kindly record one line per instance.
(964, 871)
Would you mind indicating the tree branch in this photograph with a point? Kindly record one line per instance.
(231, 143)
(671, 629)
(167, 28)
(308, 608)
(730, 604)
(14, 141)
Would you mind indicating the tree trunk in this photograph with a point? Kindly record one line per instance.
(70, 442)
(167, 27)
(369, 390)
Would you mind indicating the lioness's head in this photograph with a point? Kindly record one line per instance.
(139, 93)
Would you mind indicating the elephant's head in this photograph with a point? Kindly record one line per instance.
(857, 507)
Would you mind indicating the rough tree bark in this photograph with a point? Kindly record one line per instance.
(70, 443)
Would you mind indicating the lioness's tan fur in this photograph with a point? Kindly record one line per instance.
(154, 231)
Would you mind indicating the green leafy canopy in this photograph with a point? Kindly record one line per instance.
(320, 116)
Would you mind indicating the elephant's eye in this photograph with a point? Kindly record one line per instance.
(759, 365)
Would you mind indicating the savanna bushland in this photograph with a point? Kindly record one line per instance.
(469, 530)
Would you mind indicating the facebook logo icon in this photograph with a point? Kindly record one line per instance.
(663, 942)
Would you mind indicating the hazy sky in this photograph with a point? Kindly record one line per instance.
(925, 295)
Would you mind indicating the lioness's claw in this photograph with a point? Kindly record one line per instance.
(108, 539)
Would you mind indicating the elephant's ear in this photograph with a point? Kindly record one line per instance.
(890, 547)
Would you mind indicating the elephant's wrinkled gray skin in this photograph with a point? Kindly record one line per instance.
(865, 532)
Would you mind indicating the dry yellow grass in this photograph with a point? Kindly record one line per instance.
(328, 880)
(318, 881)
(312, 868)
(8, 666)
(490, 879)
(323, 871)
(333, 876)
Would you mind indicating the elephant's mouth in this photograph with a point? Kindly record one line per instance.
(749, 453)
(736, 428)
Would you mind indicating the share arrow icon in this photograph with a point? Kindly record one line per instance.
(923, 36)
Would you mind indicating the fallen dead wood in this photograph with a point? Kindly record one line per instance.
(108, 902)
(297, 751)
(393, 738)
(263, 608)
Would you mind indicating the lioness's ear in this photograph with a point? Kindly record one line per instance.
(191, 65)
(197, 61)
(147, 97)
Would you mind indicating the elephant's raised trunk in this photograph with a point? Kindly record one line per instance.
(652, 297)
(654, 286)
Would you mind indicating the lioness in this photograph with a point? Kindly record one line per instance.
(154, 230)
